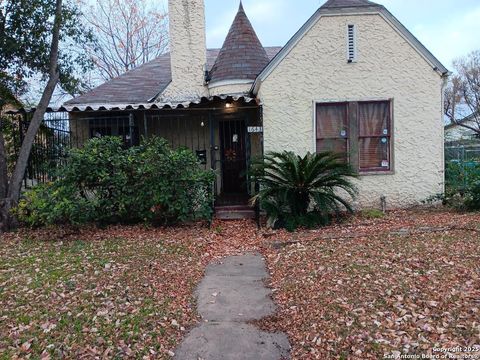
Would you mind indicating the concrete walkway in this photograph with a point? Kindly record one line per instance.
(231, 294)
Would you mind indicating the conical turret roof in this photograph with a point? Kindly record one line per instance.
(242, 56)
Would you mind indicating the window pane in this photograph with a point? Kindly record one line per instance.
(374, 153)
(332, 121)
(100, 131)
(374, 118)
(332, 145)
(337, 146)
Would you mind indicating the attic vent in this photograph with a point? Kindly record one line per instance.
(352, 44)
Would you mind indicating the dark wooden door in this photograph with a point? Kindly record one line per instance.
(233, 153)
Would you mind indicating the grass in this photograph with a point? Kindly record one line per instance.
(114, 296)
(372, 214)
(355, 290)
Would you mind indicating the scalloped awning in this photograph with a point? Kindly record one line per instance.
(144, 106)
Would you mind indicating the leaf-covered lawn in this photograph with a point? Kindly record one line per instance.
(358, 290)
(116, 293)
(406, 284)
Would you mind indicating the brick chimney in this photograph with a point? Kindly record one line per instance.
(187, 49)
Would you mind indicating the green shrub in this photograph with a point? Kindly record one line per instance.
(54, 203)
(105, 183)
(472, 201)
(304, 191)
(460, 176)
(310, 220)
(462, 185)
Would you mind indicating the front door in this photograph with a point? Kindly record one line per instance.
(233, 152)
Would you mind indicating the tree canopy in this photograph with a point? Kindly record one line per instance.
(25, 37)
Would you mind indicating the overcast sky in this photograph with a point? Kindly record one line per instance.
(448, 28)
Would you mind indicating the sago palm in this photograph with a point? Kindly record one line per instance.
(291, 185)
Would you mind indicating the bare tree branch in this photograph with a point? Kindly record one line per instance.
(462, 96)
(129, 33)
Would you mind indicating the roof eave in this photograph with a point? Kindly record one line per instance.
(438, 66)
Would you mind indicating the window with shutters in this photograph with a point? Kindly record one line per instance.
(351, 43)
(362, 130)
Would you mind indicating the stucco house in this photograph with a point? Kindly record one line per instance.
(456, 133)
(353, 79)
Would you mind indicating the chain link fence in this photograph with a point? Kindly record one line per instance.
(464, 153)
(462, 167)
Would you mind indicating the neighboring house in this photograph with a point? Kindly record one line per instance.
(10, 107)
(353, 79)
(455, 133)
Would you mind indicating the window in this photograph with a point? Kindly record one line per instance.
(374, 135)
(98, 131)
(129, 135)
(351, 44)
(332, 128)
(115, 126)
(360, 130)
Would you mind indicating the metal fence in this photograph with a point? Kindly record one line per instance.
(57, 134)
(209, 134)
(49, 149)
(462, 167)
(465, 153)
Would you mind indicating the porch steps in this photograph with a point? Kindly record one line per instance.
(234, 212)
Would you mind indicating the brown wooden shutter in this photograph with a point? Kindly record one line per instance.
(332, 128)
(374, 126)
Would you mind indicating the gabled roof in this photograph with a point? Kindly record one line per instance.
(347, 3)
(143, 84)
(346, 7)
(242, 56)
(466, 119)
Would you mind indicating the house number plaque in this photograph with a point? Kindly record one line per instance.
(255, 129)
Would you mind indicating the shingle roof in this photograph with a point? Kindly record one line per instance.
(137, 85)
(347, 3)
(242, 55)
(145, 82)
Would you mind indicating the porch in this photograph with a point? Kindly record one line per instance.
(225, 134)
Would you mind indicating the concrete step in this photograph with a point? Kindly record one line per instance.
(234, 212)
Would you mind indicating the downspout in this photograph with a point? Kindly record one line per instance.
(445, 77)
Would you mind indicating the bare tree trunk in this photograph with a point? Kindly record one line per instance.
(3, 175)
(15, 183)
(3, 162)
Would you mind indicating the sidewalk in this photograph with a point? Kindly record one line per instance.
(231, 294)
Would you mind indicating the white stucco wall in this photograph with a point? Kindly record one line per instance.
(187, 50)
(388, 67)
(223, 88)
